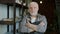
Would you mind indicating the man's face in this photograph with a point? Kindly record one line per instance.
(33, 8)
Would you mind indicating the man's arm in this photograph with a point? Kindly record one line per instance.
(34, 27)
(39, 27)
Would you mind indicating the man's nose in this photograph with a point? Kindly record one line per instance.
(32, 8)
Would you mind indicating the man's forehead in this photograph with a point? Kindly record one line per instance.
(33, 4)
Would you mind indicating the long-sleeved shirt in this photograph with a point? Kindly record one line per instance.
(42, 18)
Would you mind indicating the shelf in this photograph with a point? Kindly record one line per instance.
(6, 22)
(14, 4)
(11, 2)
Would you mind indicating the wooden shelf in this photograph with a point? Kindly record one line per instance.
(11, 2)
(6, 22)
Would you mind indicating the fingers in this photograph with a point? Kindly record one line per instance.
(42, 24)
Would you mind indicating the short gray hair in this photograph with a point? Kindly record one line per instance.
(32, 3)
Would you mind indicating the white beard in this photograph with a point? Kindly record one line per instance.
(34, 14)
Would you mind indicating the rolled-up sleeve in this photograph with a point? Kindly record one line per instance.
(44, 27)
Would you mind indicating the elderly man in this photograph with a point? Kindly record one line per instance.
(33, 23)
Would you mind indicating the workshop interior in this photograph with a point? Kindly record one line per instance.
(13, 11)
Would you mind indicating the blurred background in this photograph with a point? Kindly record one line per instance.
(49, 8)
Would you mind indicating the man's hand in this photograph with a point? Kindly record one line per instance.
(28, 24)
(31, 26)
(42, 24)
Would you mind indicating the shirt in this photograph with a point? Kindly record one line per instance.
(23, 28)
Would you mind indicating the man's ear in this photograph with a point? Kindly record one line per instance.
(38, 8)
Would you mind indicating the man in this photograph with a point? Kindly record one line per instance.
(33, 23)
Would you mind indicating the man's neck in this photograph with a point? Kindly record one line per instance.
(34, 16)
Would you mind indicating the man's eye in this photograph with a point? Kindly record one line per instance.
(30, 7)
(34, 7)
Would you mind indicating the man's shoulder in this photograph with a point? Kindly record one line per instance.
(39, 15)
(25, 16)
(42, 16)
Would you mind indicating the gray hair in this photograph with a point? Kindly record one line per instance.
(32, 3)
